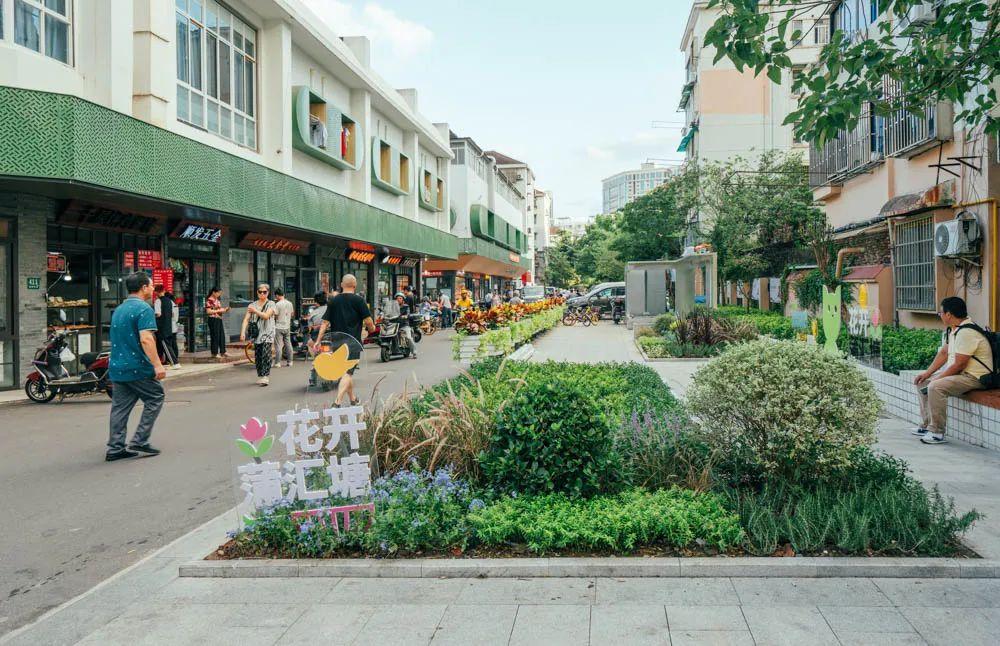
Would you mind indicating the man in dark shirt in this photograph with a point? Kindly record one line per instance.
(346, 313)
(411, 298)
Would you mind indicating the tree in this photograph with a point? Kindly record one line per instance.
(761, 213)
(559, 271)
(896, 64)
(652, 226)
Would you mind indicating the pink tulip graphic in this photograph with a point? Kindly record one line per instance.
(255, 431)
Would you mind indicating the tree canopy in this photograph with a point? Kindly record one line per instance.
(893, 64)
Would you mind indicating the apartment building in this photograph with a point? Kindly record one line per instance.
(208, 143)
(728, 113)
(522, 177)
(621, 188)
(487, 216)
(542, 226)
(918, 193)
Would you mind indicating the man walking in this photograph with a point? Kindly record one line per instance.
(968, 356)
(135, 370)
(167, 319)
(284, 311)
(346, 313)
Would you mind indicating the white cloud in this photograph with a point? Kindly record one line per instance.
(388, 30)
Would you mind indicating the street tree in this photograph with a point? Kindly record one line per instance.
(652, 226)
(559, 270)
(952, 54)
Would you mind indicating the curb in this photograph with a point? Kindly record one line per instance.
(649, 359)
(208, 369)
(626, 567)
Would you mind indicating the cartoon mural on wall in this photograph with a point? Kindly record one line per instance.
(831, 319)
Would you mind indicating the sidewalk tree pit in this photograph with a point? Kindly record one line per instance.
(774, 458)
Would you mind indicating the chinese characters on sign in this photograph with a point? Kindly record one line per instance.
(304, 439)
(198, 232)
(262, 242)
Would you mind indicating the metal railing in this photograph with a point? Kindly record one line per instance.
(913, 264)
(847, 154)
(908, 133)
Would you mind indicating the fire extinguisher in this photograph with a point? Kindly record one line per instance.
(344, 134)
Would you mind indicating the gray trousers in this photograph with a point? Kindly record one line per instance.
(125, 394)
(282, 342)
(934, 403)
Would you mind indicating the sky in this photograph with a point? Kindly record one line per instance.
(572, 88)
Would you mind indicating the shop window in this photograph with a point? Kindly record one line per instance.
(43, 26)
(241, 287)
(385, 161)
(216, 70)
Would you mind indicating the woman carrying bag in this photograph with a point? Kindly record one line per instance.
(258, 324)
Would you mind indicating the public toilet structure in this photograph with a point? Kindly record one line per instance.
(655, 286)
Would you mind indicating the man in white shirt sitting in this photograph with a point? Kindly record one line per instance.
(968, 356)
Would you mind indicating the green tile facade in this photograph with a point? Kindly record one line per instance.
(56, 136)
(480, 247)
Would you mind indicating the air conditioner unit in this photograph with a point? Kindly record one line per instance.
(958, 237)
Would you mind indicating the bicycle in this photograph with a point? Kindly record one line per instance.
(594, 314)
(576, 315)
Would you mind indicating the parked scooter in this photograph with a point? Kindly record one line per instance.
(50, 377)
(300, 348)
(392, 343)
(415, 322)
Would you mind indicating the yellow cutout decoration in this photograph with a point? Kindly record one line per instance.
(331, 366)
(815, 328)
(863, 295)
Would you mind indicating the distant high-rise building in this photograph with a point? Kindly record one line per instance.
(624, 187)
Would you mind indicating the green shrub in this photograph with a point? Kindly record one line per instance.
(646, 332)
(662, 451)
(552, 437)
(908, 349)
(789, 407)
(900, 517)
(655, 347)
(636, 518)
(663, 323)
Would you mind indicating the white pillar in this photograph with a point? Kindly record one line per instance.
(154, 66)
(275, 91)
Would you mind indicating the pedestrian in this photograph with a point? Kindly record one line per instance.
(167, 318)
(316, 319)
(516, 299)
(346, 313)
(135, 370)
(258, 325)
(216, 331)
(445, 304)
(411, 298)
(284, 312)
(464, 302)
(404, 322)
(495, 300)
(966, 356)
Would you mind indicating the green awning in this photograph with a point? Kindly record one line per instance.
(688, 136)
(686, 94)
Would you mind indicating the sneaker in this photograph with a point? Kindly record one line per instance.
(288, 365)
(277, 365)
(111, 456)
(264, 381)
(148, 449)
(933, 438)
(177, 365)
(920, 432)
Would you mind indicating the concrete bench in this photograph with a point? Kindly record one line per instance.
(973, 417)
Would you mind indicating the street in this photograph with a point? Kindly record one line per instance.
(71, 520)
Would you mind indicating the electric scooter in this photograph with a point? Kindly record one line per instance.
(392, 343)
(50, 377)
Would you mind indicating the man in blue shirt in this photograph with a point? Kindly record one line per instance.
(135, 370)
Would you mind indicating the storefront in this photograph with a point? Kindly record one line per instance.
(91, 250)
(8, 306)
(193, 251)
(397, 273)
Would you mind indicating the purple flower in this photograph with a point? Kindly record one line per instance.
(476, 504)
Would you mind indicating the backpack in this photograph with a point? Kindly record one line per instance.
(992, 378)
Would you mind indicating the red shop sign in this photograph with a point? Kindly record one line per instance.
(359, 256)
(148, 259)
(56, 262)
(262, 242)
(164, 277)
(432, 274)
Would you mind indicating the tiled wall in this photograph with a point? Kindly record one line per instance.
(967, 421)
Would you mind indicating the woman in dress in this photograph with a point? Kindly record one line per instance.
(217, 333)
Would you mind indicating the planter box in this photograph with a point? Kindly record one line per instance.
(968, 421)
(469, 349)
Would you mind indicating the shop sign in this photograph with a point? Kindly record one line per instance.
(411, 262)
(56, 262)
(392, 260)
(34, 282)
(164, 277)
(514, 257)
(360, 256)
(98, 217)
(188, 230)
(432, 274)
(148, 259)
(360, 246)
(262, 242)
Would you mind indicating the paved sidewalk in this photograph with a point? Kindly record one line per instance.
(149, 604)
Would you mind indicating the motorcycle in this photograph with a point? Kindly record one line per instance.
(617, 312)
(300, 347)
(415, 321)
(50, 377)
(392, 343)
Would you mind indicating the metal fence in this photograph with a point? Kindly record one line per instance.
(850, 152)
(913, 260)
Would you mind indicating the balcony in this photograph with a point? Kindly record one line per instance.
(849, 153)
(908, 134)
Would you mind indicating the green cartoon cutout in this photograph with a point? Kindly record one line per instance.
(831, 319)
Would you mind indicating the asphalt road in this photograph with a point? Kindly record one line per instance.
(68, 520)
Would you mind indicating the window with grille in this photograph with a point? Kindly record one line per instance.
(913, 259)
(216, 71)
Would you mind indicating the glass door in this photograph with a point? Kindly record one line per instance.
(204, 274)
(182, 301)
(8, 349)
(111, 291)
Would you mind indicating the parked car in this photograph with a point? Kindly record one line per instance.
(533, 293)
(602, 295)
